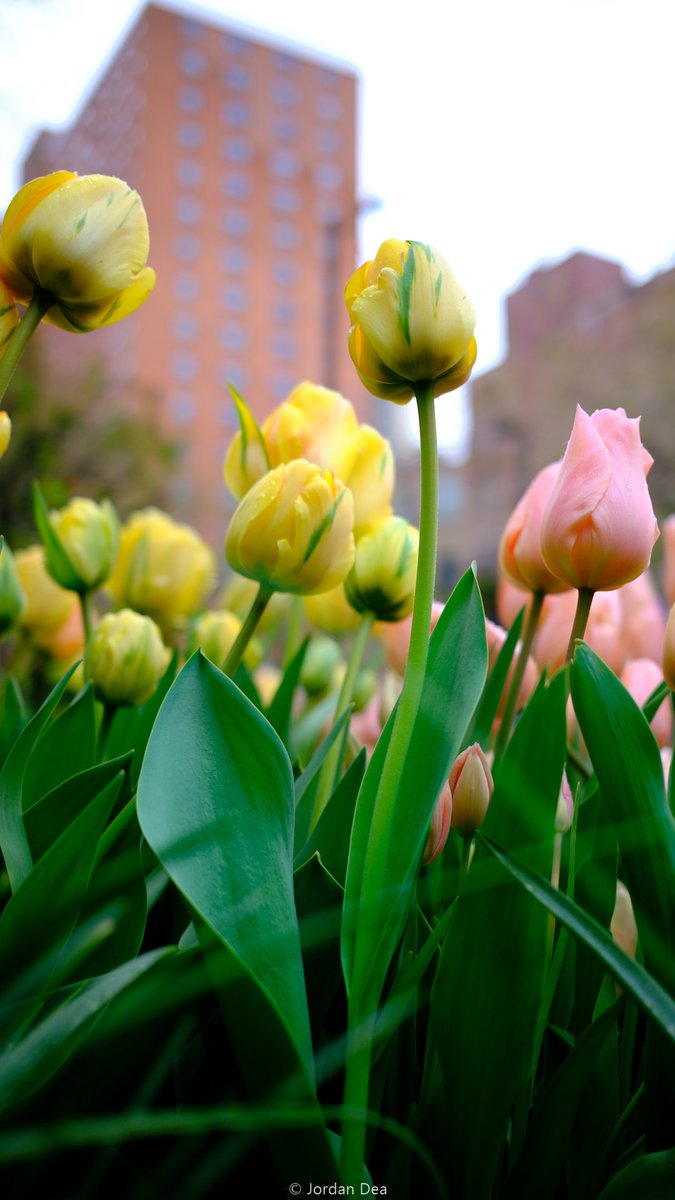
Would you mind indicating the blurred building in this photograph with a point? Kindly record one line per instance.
(244, 154)
(578, 333)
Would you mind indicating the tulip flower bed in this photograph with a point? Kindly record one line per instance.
(380, 913)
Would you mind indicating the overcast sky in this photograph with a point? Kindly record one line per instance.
(505, 132)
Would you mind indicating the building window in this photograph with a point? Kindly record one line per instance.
(233, 336)
(190, 98)
(285, 200)
(236, 112)
(328, 141)
(183, 407)
(234, 298)
(328, 107)
(186, 287)
(284, 311)
(236, 46)
(285, 129)
(191, 29)
(234, 259)
(285, 237)
(185, 326)
(235, 224)
(286, 93)
(237, 149)
(190, 135)
(285, 62)
(328, 176)
(187, 246)
(184, 366)
(284, 164)
(283, 345)
(282, 385)
(237, 77)
(235, 186)
(238, 375)
(188, 210)
(188, 172)
(192, 63)
(284, 273)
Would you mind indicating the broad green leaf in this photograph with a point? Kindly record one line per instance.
(386, 847)
(494, 687)
(318, 899)
(651, 1177)
(628, 765)
(631, 975)
(47, 819)
(25, 1065)
(116, 900)
(13, 839)
(67, 747)
(490, 980)
(14, 716)
(215, 802)
(38, 919)
(279, 712)
(330, 837)
(314, 765)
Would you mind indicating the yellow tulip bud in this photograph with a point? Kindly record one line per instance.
(410, 322)
(126, 658)
(319, 665)
(5, 431)
(293, 530)
(9, 317)
(11, 597)
(267, 679)
(163, 568)
(331, 612)
(382, 580)
(48, 606)
(216, 633)
(85, 547)
(83, 239)
(371, 480)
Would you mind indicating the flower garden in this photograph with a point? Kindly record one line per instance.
(322, 886)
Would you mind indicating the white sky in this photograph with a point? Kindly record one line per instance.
(505, 132)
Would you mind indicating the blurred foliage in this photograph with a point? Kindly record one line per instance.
(80, 438)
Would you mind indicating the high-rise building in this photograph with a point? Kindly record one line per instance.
(244, 154)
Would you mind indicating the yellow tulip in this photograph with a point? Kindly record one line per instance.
(410, 322)
(371, 480)
(163, 568)
(83, 240)
(216, 632)
(5, 431)
(126, 658)
(292, 531)
(9, 317)
(382, 580)
(88, 534)
(48, 606)
(314, 423)
(331, 612)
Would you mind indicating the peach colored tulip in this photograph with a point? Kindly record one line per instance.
(509, 600)
(440, 826)
(643, 618)
(640, 677)
(603, 631)
(471, 785)
(496, 636)
(396, 638)
(599, 526)
(669, 558)
(519, 549)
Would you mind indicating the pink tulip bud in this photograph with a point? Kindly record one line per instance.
(520, 548)
(565, 811)
(471, 785)
(640, 677)
(440, 826)
(622, 925)
(643, 618)
(599, 526)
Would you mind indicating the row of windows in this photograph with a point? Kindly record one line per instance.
(234, 297)
(283, 164)
(240, 48)
(238, 78)
(233, 337)
(184, 403)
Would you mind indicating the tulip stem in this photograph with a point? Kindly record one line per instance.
(248, 629)
(333, 759)
(381, 829)
(518, 674)
(294, 626)
(580, 620)
(85, 598)
(21, 335)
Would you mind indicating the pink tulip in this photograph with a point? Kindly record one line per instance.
(509, 600)
(599, 526)
(640, 677)
(520, 549)
(440, 826)
(603, 631)
(643, 619)
(471, 785)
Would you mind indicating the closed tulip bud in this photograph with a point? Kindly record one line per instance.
(371, 480)
(11, 597)
(410, 322)
(314, 423)
(519, 549)
(5, 431)
(319, 666)
(83, 240)
(623, 926)
(643, 618)
(163, 568)
(364, 688)
(215, 633)
(564, 813)
(9, 317)
(47, 605)
(641, 677)
(471, 785)
(83, 549)
(126, 658)
(599, 526)
(331, 612)
(293, 530)
(382, 580)
(440, 827)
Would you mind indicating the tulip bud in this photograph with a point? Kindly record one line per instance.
(215, 633)
(331, 612)
(410, 322)
(519, 549)
(293, 530)
(5, 430)
(382, 580)
(126, 658)
(564, 813)
(364, 688)
(163, 568)
(599, 526)
(371, 480)
(319, 666)
(471, 785)
(11, 597)
(622, 925)
(440, 827)
(640, 677)
(83, 239)
(47, 605)
(81, 543)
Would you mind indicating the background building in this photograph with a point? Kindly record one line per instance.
(244, 155)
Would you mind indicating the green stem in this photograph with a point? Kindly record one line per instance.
(332, 761)
(85, 598)
(465, 859)
(358, 1062)
(518, 674)
(580, 619)
(247, 630)
(294, 625)
(21, 335)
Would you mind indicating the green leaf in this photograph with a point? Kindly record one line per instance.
(27, 1064)
(649, 1178)
(249, 426)
(13, 839)
(314, 765)
(490, 980)
(47, 819)
(56, 560)
(279, 712)
(42, 912)
(131, 727)
(68, 746)
(14, 716)
(331, 835)
(383, 862)
(319, 905)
